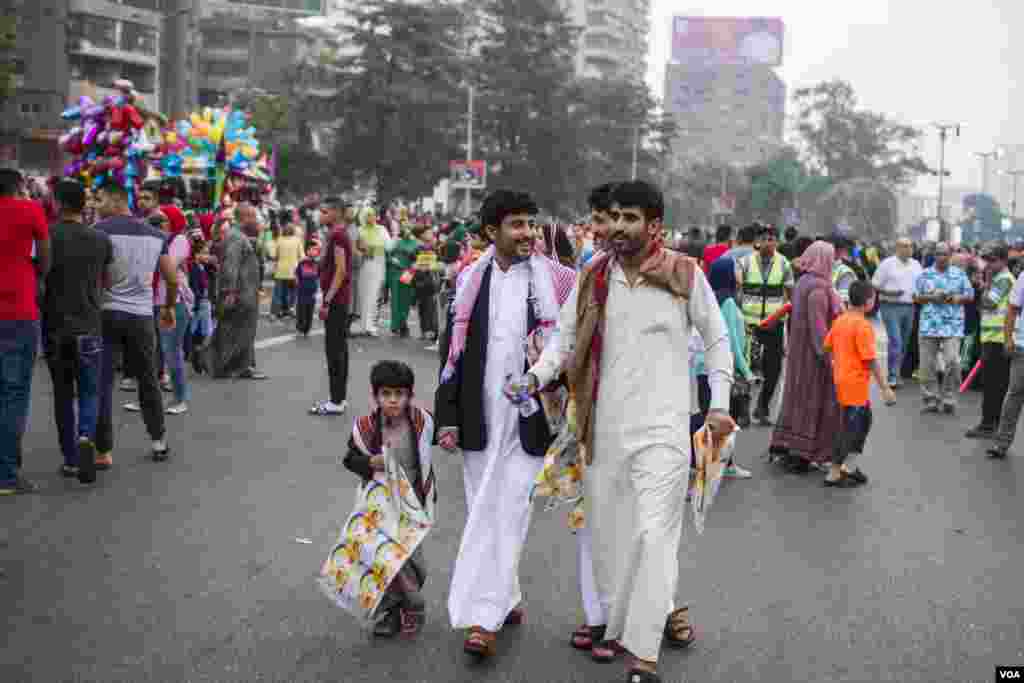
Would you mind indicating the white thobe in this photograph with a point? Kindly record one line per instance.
(636, 487)
(485, 582)
(371, 280)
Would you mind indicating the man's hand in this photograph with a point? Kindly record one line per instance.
(377, 463)
(449, 439)
(888, 395)
(515, 388)
(1011, 342)
(167, 321)
(720, 424)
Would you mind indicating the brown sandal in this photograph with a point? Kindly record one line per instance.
(679, 632)
(516, 617)
(480, 642)
(585, 637)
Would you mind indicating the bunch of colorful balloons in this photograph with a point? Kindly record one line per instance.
(108, 142)
(204, 132)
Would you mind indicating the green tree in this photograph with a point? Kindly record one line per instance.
(400, 99)
(781, 182)
(8, 41)
(527, 100)
(845, 142)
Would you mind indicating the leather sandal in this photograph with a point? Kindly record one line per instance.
(642, 676)
(480, 642)
(679, 632)
(584, 637)
(607, 651)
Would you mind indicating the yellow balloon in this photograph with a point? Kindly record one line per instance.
(196, 120)
(208, 115)
(231, 147)
(250, 152)
(171, 138)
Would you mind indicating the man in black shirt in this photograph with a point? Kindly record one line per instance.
(74, 327)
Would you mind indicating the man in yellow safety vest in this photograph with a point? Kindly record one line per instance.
(994, 359)
(766, 282)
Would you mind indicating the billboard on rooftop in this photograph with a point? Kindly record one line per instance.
(727, 40)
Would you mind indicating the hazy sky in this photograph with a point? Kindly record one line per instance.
(919, 61)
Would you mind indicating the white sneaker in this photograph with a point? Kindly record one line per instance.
(177, 409)
(132, 407)
(734, 471)
(433, 347)
(128, 385)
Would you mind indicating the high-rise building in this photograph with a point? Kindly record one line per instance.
(249, 44)
(614, 38)
(726, 112)
(722, 89)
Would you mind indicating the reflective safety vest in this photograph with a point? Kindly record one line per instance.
(992, 319)
(763, 296)
(839, 271)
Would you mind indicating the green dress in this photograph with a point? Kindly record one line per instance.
(401, 258)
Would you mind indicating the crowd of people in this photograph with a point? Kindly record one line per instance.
(607, 325)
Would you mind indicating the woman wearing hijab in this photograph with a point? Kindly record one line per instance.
(722, 278)
(810, 415)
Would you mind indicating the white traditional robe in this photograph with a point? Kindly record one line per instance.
(371, 281)
(635, 489)
(485, 582)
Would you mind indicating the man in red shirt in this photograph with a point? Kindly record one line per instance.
(723, 242)
(22, 225)
(336, 285)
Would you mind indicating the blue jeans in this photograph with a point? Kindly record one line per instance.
(75, 361)
(899, 325)
(283, 297)
(19, 340)
(172, 345)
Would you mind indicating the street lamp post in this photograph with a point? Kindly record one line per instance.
(944, 129)
(985, 156)
(1013, 204)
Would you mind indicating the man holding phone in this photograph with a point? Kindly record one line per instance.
(942, 291)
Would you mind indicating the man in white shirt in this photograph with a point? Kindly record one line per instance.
(894, 279)
(636, 302)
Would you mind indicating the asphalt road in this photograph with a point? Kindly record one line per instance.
(191, 570)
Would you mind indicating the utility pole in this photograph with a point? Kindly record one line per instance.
(469, 147)
(944, 129)
(636, 145)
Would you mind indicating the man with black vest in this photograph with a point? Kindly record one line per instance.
(501, 299)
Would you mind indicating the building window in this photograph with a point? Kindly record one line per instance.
(225, 69)
(138, 38)
(99, 32)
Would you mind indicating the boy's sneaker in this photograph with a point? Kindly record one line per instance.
(982, 431)
(734, 471)
(177, 409)
(160, 451)
(69, 471)
(86, 461)
(433, 347)
(325, 408)
(128, 384)
(20, 486)
(132, 407)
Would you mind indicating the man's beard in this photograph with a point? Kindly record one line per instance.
(631, 246)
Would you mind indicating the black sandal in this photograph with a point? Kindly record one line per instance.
(675, 626)
(389, 625)
(585, 637)
(607, 651)
(843, 482)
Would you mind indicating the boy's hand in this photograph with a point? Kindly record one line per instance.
(377, 463)
(449, 439)
(888, 395)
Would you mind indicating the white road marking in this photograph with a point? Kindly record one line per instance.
(284, 339)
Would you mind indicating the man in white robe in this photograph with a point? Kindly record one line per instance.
(638, 436)
(503, 296)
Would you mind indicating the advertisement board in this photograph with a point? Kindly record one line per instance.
(468, 174)
(727, 40)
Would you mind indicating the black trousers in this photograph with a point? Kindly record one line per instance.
(426, 307)
(304, 316)
(336, 346)
(134, 336)
(771, 362)
(996, 371)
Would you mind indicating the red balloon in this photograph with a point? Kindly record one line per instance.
(116, 164)
(118, 121)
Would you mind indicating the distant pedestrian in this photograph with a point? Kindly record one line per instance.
(336, 284)
(307, 283)
(22, 227)
(74, 320)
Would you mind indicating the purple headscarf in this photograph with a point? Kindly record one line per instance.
(818, 259)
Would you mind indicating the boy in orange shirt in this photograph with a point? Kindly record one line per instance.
(852, 344)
